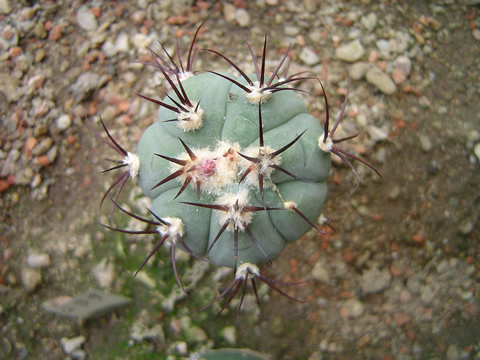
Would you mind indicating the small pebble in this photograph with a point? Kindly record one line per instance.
(5, 7)
(384, 48)
(229, 12)
(104, 272)
(428, 294)
(354, 308)
(425, 143)
(72, 344)
(229, 333)
(358, 70)
(37, 261)
(86, 19)
(30, 278)
(320, 272)
(369, 21)
(309, 57)
(394, 192)
(476, 151)
(375, 280)
(476, 34)
(63, 122)
(350, 52)
(243, 18)
(381, 81)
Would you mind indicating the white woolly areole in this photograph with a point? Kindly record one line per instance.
(264, 166)
(256, 95)
(235, 215)
(246, 270)
(213, 169)
(133, 162)
(191, 120)
(175, 228)
(226, 158)
(290, 205)
(322, 220)
(184, 75)
(325, 146)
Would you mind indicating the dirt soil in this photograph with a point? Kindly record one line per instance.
(398, 278)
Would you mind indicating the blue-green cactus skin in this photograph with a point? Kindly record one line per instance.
(229, 117)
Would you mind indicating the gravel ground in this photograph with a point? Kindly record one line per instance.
(399, 278)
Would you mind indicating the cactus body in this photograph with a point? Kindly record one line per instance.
(230, 127)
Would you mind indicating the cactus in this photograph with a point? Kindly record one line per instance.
(235, 167)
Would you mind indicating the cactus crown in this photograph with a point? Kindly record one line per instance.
(236, 167)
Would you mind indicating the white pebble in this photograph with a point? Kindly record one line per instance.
(37, 261)
(229, 12)
(70, 345)
(381, 81)
(350, 52)
(5, 7)
(404, 64)
(369, 21)
(104, 273)
(355, 308)
(476, 34)
(63, 122)
(358, 70)
(425, 143)
(122, 43)
(476, 150)
(242, 17)
(86, 19)
(309, 57)
(31, 278)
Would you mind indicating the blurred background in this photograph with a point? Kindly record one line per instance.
(397, 278)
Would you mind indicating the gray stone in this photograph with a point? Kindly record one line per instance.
(69, 345)
(243, 18)
(394, 192)
(122, 43)
(86, 19)
(5, 7)
(374, 280)
(90, 304)
(384, 48)
(404, 64)
(104, 272)
(291, 30)
(453, 353)
(476, 151)
(476, 34)
(309, 57)
(37, 261)
(350, 52)
(369, 21)
(42, 147)
(320, 272)
(355, 308)
(86, 83)
(109, 49)
(377, 134)
(381, 81)
(229, 12)
(358, 70)
(63, 122)
(229, 333)
(428, 294)
(31, 278)
(9, 86)
(425, 143)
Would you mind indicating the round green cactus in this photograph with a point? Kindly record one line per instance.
(230, 127)
(235, 167)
